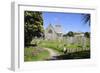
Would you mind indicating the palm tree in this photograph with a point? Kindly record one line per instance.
(86, 18)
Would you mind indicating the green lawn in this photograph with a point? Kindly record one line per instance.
(59, 45)
(38, 53)
(35, 54)
(75, 55)
(53, 44)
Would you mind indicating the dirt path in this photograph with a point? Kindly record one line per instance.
(53, 53)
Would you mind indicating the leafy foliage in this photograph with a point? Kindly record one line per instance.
(33, 25)
(70, 34)
(86, 18)
(87, 34)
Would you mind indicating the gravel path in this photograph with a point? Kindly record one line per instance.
(53, 53)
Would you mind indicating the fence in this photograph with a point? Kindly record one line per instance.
(72, 50)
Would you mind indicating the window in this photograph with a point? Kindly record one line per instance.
(50, 31)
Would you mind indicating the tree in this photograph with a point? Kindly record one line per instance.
(33, 25)
(70, 34)
(86, 18)
(87, 34)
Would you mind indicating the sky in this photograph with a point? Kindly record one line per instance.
(69, 21)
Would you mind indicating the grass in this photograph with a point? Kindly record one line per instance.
(55, 45)
(73, 46)
(39, 54)
(59, 45)
(75, 55)
(35, 54)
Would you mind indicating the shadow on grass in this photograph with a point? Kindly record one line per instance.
(76, 55)
(30, 45)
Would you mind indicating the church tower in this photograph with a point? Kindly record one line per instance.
(58, 28)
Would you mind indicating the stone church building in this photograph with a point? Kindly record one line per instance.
(52, 33)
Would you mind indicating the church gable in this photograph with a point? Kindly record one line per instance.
(52, 32)
(50, 29)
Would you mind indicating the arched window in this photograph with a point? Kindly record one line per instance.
(50, 31)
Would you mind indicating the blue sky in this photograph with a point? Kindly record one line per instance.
(68, 21)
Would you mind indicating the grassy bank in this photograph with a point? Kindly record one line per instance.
(75, 55)
(59, 45)
(53, 44)
(35, 54)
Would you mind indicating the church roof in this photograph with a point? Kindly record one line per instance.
(56, 29)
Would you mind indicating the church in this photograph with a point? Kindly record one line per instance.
(53, 32)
